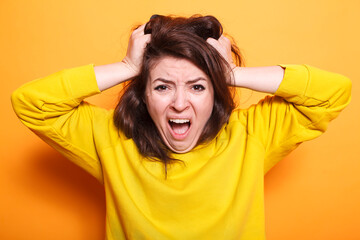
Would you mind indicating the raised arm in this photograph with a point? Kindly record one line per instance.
(54, 109)
(262, 79)
(306, 100)
(112, 74)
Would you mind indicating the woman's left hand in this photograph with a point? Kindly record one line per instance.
(223, 46)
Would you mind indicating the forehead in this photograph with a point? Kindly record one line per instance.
(176, 69)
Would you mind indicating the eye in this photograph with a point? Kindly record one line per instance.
(161, 88)
(198, 87)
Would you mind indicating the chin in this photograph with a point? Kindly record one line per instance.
(181, 149)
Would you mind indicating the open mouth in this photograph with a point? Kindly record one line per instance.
(179, 126)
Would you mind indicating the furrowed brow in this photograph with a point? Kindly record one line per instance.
(163, 80)
(196, 80)
(187, 82)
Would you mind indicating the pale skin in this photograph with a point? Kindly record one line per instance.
(177, 90)
(262, 79)
(179, 98)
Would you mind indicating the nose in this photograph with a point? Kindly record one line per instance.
(180, 100)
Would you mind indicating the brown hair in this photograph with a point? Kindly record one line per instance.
(183, 38)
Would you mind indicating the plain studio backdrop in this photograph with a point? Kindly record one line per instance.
(314, 193)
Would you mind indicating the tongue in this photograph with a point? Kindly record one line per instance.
(180, 128)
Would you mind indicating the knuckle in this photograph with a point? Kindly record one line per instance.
(211, 40)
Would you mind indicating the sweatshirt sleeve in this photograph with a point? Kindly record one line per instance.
(306, 101)
(54, 109)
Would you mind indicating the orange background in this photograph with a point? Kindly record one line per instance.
(313, 194)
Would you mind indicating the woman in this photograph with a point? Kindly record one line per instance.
(176, 160)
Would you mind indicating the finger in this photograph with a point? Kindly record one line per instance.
(224, 38)
(146, 38)
(223, 46)
(213, 42)
(139, 30)
(224, 41)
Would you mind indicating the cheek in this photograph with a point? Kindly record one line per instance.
(203, 106)
(149, 101)
(156, 106)
(208, 109)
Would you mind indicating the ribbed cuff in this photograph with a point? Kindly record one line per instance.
(81, 81)
(294, 84)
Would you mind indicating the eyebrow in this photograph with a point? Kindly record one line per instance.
(187, 82)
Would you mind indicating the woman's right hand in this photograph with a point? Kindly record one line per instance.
(135, 50)
(112, 74)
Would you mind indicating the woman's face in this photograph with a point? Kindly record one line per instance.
(179, 98)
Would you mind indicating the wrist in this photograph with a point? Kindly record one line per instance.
(233, 75)
(112, 74)
(128, 68)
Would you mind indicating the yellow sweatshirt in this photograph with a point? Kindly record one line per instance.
(218, 192)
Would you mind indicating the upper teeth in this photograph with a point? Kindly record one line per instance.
(180, 120)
